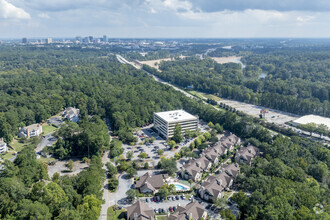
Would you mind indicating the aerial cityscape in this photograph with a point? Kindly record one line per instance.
(163, 110)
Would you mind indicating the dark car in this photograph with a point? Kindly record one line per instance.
(212, 208)
(208, 206)
(158, 198)
(160, 210)
(174, 208)
(156, 210)
(177, 197)
(147, 200)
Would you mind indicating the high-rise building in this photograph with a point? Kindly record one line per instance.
(78, 38)
(90, 38)
(48, 40)
(24, 40)
(105, 38)
(164, 122)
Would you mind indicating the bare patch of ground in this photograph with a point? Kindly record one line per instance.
(155, 63)
(231, 59)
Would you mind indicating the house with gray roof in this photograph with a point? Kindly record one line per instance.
(213, 153)
(247, 154)
(150, 183)
(192, 211)
(140, 211)
(33, 130)
(230, 140)
(194, 168)
(214, 186)
(72, 114)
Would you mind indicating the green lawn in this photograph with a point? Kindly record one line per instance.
(46, 129)
(161, 217)
(112, 215)
(16, 145)
(46, 160)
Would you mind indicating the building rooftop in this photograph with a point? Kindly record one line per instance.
(175, 116)
(313, 119)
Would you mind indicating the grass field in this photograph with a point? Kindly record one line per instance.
(46, 129)
(161, 217)
(112, 215)
(46, 160)
(204, 95)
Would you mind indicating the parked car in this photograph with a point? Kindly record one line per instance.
(147, 200)
(173, 198)
(156, 210)
(177, 197)
(160, 210)
(170, 209)
(155, 199)
(174, 208)
(158, 198)
(208, 206)
(169, 198)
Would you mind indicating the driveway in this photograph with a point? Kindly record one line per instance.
(46, 141)
(117, 197)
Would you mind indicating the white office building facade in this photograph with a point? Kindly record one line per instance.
(164, 122)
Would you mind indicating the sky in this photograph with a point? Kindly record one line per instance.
(165, 18)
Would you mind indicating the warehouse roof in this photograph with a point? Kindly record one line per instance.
(176, 115)
(313, 119)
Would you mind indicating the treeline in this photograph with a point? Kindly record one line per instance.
(90, 137)
(297, 95)
(26, 192)
(97, 86)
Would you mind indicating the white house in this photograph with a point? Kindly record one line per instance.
(33, 130)
(3, 146)
(72, 114)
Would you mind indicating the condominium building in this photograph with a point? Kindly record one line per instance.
(164, 122)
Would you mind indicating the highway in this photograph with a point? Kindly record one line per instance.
(305, 134)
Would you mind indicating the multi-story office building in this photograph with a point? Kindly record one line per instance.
(164, 122)
(48, 40)
(24, 40)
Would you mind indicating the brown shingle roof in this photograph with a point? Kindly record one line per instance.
(156, 181)
(140, 210)
(193, 209)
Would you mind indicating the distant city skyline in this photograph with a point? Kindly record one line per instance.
(165, 19)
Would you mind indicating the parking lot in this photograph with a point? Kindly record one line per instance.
(159, 143)
(60, 167)
(173, 202)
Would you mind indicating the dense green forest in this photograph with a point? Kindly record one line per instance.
(26, 192)
(290, 179)
(296, 81)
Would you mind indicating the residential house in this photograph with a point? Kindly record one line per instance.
(3, 146)
(213, 153)
(194, 168)
(33, 130)
(229, 141)
(150, 183)
(72, 114)
(214, 186)
(246, 154)
(140, 211)
(192, 211)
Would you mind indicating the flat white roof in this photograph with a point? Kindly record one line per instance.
(175, 116)
(313, 119)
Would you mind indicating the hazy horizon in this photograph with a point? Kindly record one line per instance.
(165, 19)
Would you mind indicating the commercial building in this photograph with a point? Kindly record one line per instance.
(48, 40)
(164, 122)
(24, 40)
(312, 119)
